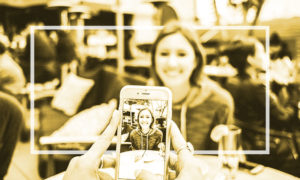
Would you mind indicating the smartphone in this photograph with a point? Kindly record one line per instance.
(143, 133)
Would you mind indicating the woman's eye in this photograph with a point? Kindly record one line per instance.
(164, 53)
(181, 54)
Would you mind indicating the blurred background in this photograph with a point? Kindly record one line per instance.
(113, 57)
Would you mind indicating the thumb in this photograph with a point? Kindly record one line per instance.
(172, 160)
(104, 176)
(146, 175)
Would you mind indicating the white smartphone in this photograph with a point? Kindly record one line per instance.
(143, 133)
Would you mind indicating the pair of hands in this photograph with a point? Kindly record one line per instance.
(87, 165)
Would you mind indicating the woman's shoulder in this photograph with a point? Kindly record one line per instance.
(158, 132)
(9, 104)
(212, 92)
(8, 99)
(223, 97)
(134, 132)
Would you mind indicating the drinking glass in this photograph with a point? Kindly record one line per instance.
(229, 151)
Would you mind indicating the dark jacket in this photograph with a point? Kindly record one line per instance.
(149, 141)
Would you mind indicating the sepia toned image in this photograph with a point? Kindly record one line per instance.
(144, 125)
(230, 69)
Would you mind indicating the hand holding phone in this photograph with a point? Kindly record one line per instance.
(183, 165)
(145, 114)
(87, 165)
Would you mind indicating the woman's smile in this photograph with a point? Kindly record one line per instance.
(172, 72)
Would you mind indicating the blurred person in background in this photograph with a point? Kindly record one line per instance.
(45, 67)
(66, 48)
(278, 48)
(12, 81)
(12, 78)
(199, 103)
(248, 57)
(165, 13)
(107, 85)
(248, 89)
(11, 122)
(282, 71)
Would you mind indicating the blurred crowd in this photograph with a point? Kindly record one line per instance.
(73, 73)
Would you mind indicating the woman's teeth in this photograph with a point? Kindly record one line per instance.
(172, 73)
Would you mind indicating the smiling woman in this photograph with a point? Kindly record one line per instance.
(146, 136)
(198, 102)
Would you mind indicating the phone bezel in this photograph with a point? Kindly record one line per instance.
(145, 92)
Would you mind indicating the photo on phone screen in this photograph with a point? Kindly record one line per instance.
(143, 137)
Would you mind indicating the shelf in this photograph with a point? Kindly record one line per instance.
(138, 63)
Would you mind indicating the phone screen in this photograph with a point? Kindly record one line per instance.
(143, 137)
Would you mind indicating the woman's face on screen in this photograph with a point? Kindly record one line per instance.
(145, 119)
(174, 59)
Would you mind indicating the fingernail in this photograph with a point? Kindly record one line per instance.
(113, 102)
(116, 112)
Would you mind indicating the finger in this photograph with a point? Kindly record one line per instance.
(146, 175)
(104, 175)
(72, 165)
(172, 160)
(176, 137)
(94, 154)
(112, 105)
(112, 127)
(178, 142)
(107, 113)
(172, 175)
(73, 162)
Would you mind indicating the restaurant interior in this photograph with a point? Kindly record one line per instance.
(69, 58)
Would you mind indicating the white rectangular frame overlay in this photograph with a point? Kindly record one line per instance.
(210, 152)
